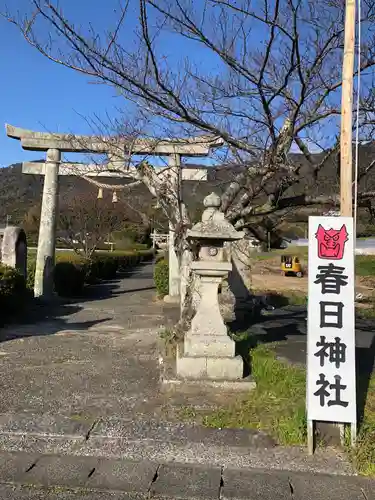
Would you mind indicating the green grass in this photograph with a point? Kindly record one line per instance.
(66, 254)
(366, 312)
(365, 265)
(300, 252)
(31, 252)
(276, 405)
(118, 253)
(363, 455)
(296, 299)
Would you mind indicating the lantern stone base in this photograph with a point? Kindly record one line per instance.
(220, 373)
(209, 345)
(210, 367)
(172, 299)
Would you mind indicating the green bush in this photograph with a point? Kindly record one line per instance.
(130, 259)
(70, 257)
(69, 278)
(13, 290)
(72, 271)
(161, 256)
(30, 279)
(161, 277)
(102, 267)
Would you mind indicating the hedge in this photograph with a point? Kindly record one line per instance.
(162, 256)
(69, 278)
(13, 291)
(72, 272)
(161, 277)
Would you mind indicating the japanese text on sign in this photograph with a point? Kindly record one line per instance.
(331, 393)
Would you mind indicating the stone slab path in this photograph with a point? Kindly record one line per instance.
(81, 382)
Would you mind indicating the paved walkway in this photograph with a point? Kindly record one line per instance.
(80, 390)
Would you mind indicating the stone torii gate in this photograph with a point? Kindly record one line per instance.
(56, 144)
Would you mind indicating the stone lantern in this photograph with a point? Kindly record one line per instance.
(208, 352)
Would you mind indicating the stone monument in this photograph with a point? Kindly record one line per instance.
(208, 353)
(14, 249)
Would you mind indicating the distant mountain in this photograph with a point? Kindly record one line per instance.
(20, 192)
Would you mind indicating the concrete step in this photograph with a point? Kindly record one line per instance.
(161, 442)
(36, 476)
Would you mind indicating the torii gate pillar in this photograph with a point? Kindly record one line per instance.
(55, 144)
(45, 259)
(174, 265)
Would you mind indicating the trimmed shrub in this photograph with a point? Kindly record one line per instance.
(30, 279)
(161, 277)
(13, 292)
(102, 267)
(72, 271)
(69, 278)
(130, 259)
(66, 257)
(161, 256)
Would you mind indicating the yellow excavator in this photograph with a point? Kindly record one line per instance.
(291, 266)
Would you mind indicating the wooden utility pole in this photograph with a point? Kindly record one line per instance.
(346, 157)
(346, 168)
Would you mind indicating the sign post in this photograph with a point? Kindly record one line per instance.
(331, 373)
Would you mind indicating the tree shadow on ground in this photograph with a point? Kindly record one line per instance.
(264, 334)
(40, 319)
(106, 290)
(365, 367)
(49, 317)
(109, 288)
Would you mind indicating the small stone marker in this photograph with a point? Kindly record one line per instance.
(14, 249)
(331, 374)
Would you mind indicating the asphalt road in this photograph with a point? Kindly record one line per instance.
(288, 327)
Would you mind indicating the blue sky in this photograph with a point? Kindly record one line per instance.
(41, 95)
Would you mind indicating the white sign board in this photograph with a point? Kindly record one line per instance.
(331, 377)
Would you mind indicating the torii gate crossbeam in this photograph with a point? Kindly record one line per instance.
(116, 149)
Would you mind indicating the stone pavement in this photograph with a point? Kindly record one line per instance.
(80, 390)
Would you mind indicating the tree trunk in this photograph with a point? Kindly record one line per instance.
(185, 254)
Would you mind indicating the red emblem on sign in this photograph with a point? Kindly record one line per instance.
(331, 242)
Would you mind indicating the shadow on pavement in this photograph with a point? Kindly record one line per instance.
(365, 365)
(111, 288)
(42, 319)
(37, 318)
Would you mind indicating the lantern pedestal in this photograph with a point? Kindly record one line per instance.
(208, 351)
(207, 354)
